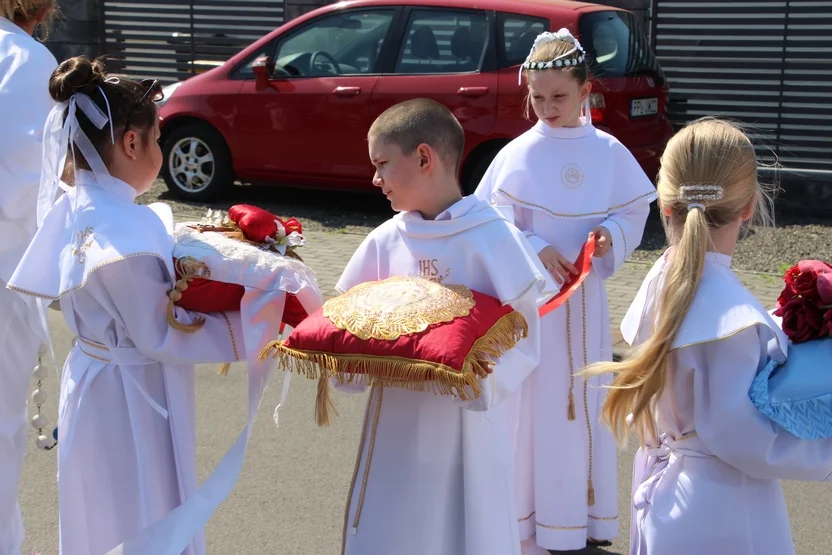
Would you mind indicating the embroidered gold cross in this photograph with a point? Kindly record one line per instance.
(84, 243)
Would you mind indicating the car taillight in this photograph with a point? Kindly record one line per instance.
(597, 107)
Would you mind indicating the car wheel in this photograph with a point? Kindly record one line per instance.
(480, 166)
(196, 164)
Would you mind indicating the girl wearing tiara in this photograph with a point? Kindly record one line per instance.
(566, 183)
(706, 479)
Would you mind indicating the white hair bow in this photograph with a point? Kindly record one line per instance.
(58, 134)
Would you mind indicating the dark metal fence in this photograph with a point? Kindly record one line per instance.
(765, 63)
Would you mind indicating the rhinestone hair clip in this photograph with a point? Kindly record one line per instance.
(700, 192)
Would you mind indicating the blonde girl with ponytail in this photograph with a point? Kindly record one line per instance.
(706, 477)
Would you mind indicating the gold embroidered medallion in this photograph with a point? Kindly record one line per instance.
(397, 306)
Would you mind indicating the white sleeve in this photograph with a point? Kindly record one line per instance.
(515, 365)
(134, 292)
(362, 267)
(523, 220)
(522, 216)
(22, 154)
(626, 228)
(731, 426)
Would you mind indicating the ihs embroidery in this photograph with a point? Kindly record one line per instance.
(84, 243)
(429, 270)
(572, 176)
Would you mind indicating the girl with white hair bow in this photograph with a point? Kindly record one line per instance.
(126, 457)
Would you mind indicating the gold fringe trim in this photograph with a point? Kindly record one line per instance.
(590, 490)
(570, 411)
(223, 371)
(403, 373)
(324, 405)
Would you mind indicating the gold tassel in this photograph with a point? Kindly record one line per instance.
(175, 324)
(403, 373)
(590, 493)
(224, 369)
(324, 405)
(570, 412)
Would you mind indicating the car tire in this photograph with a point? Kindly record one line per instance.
(196, 163)
(479, 167)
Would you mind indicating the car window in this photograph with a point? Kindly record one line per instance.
(517, 34)
(616, 46)
(443, 41)
(345, 43)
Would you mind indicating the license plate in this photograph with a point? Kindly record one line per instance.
(641, 107)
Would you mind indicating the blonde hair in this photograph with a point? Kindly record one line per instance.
(23, 11)
(719, 156)
(551, 50)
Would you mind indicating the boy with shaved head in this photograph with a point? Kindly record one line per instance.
(433, 475)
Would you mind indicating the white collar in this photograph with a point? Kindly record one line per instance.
(118, 188)
(458, 209)
(584, 129)
(12, 27)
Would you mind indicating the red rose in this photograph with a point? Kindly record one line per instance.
(785, 296)
(805, 282)
(789, 277)
(828, 320)
(825, 287)
(802, 320)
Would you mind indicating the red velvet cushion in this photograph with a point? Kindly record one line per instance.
(444, 344)
(207, 296)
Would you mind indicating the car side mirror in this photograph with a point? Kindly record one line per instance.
(263, 68)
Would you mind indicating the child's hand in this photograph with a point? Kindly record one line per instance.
(603, 241)
(558, 266)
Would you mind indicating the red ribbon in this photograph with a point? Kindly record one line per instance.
(584, 265)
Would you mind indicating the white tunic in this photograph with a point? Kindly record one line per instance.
(710, 483)
(432, 477)
(561, 184)
(126, 455)
(25, 67)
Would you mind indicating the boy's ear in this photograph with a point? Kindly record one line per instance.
(426, 156)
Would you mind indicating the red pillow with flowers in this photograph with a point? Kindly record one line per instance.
(402, 332)
(205, 255)
(805, 305)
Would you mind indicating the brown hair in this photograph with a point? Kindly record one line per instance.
(549, 51)
(421, 121)
(80, 75)
(23, 11)
(711, 153)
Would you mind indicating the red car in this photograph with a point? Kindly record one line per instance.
(295, 106)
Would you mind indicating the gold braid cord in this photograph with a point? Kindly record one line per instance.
(188, 268)
(404, 373)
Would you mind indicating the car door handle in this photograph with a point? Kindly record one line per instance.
(472, 91)
(347, 91)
